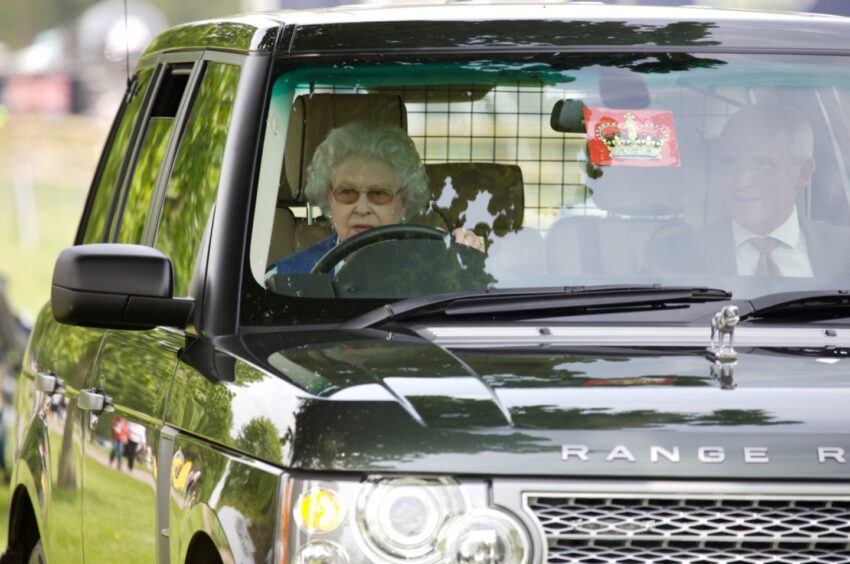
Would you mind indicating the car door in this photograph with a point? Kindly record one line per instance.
(175, 179)
(63, 356)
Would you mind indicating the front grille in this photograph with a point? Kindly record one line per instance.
(704, 529)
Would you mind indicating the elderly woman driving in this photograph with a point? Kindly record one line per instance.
(364, 175)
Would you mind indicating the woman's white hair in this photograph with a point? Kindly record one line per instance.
(371, 140)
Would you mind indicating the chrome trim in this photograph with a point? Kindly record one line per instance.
(95, 401)
(49, 383)
(513, 494)
(722, 326)
(665, 336)
(165, 451)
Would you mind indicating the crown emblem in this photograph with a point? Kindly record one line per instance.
(633, 139)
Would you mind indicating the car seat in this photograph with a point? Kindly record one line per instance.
(312, 117)
(636, 203)
(486, 198)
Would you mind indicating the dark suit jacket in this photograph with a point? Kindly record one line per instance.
(711, 250)
(303, 260)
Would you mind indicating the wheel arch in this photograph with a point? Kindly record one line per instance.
(203, 550)
(200, 533)
(24, 522)
(219, 498)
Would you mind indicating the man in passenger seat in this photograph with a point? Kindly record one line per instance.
(364, 175)
(765, 160)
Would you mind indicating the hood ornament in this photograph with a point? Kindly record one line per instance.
(720, 350)
(723, 334)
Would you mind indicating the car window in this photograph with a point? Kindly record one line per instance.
(569, 170)
(116, 153)
(195, 175)
(152, 150)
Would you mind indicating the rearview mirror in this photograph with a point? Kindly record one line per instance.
(568, 116)
(116, 286)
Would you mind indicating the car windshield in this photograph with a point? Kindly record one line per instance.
(388, 180)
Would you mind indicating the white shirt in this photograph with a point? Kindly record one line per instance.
(135, 432)
(790, 255)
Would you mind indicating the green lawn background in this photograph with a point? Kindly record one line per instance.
(46, 166)
(116, 494)
(28, 267)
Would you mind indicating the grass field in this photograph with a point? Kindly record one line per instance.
(124, 522)
(117, 494)
(29, 250)
(46, 165)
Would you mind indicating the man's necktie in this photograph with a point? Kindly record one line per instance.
(766, 266)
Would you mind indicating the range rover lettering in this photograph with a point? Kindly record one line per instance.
(450, 284)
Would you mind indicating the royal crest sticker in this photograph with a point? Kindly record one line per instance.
(631, 137)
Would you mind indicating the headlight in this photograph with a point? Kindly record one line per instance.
(320, 552)
(486, 535)
(319, 510)
(400, 520)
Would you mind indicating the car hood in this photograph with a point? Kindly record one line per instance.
(379, 402)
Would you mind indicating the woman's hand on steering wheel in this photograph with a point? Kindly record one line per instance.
(469, 238)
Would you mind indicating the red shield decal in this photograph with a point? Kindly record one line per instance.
(631, 137)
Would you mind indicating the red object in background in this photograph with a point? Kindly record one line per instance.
(53, 94)
(631, 137)
(647, 381)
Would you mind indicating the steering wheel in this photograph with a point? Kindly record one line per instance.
(375, 235)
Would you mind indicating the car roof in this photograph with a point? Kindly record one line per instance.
(489, 25)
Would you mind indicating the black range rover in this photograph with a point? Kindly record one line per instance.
(470, 284)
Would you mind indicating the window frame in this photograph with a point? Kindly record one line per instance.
(181, 122)
(117, 190)
(223, 253)
(252, 314)
(158, 200)
(162, 62)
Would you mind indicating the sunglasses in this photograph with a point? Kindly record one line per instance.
(376, 197)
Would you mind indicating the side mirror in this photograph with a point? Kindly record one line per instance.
(114, 286)
(568, 116)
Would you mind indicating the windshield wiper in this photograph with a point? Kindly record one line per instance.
(521, 302)
(811, 305)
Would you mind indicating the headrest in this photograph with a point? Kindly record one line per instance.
(477, 196)
(653, 191)
(315, 115)
(624, 90)
(283, 242)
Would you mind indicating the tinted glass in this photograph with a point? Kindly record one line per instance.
(105, 189)
(195, 175)
(139, 195)
(151, 154)
(570, 170)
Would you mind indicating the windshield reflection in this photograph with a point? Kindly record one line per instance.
(723, 171)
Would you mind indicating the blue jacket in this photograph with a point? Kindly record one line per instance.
(303, 260)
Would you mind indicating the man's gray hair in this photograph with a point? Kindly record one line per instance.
(370, 140)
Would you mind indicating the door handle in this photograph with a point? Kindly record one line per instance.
(49, 383)
(94, 400)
